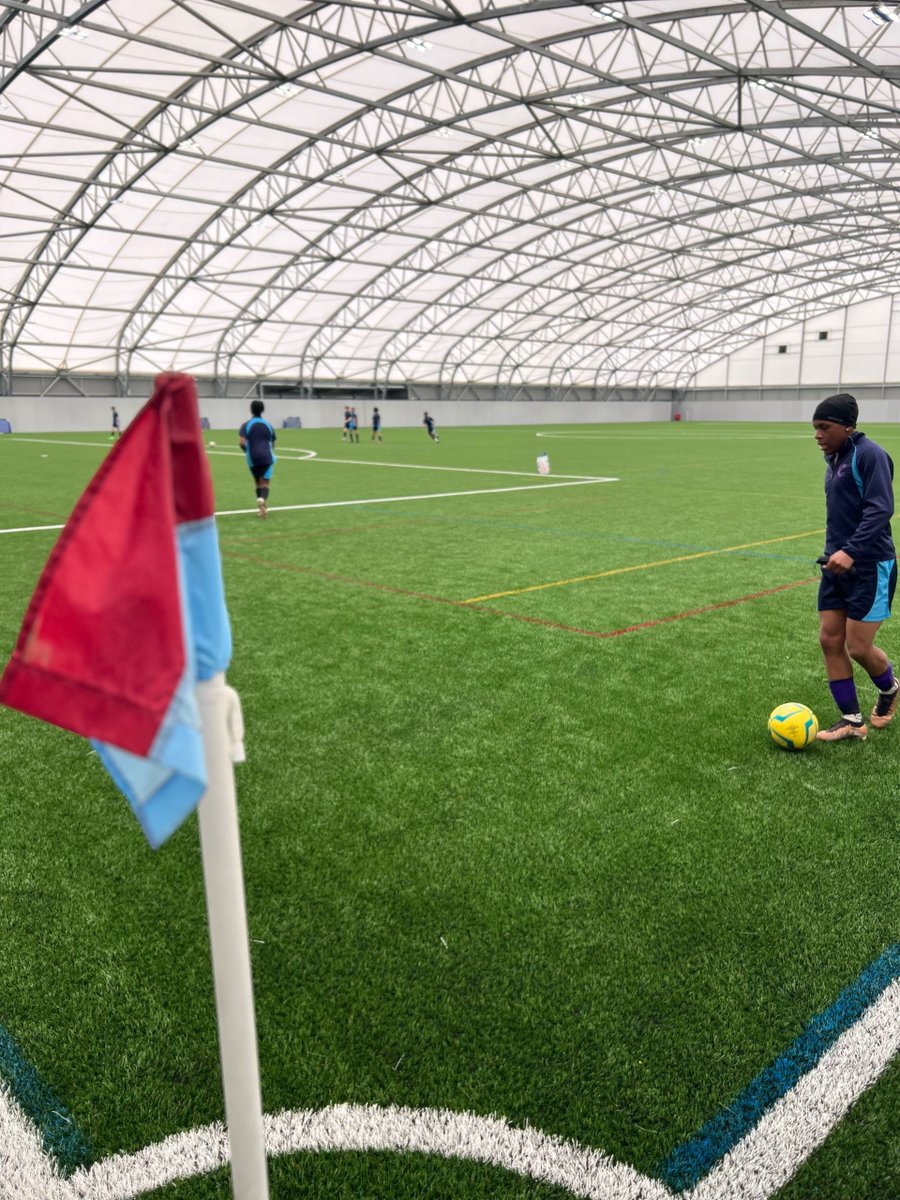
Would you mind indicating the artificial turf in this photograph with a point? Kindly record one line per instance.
(533, 857)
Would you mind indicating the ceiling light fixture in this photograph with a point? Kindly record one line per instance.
(418, 43)
(287, 89)
(880, 14)
(606, 14)
(74, 32)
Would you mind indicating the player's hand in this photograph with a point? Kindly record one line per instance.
(840, 563)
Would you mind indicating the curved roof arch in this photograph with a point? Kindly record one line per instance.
(456, 191)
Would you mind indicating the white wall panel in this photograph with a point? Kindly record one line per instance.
(745, 366)
(856, 345)
(782, 357)
(866, 340)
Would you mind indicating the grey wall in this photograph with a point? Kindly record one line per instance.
(871, 409)
(37, 414)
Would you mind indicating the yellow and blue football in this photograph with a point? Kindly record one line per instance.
(793, 726)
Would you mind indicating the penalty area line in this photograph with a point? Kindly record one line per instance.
(525, 487)
(243, 512)
(362, 462)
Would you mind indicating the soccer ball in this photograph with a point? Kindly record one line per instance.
(212, 443)
(793, 726)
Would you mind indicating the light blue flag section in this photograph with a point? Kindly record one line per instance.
(165, 787)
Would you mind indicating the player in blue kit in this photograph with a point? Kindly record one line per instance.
(859, 566)
(376, 426)
(428, 422)
(257, 440)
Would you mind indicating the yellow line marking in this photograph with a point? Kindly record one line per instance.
(662, 562)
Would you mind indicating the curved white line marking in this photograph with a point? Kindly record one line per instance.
(761, 1163)
(282, 450)
(583, 1172)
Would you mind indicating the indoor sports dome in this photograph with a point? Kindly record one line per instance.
(646, 205)
(504, 397)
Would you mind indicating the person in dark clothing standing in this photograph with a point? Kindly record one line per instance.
(257, 440)
(859, 566)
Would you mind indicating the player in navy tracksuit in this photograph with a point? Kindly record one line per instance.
(859, 566)
(257, 440)
(428, 422)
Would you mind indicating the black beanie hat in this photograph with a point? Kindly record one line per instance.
(841, 409)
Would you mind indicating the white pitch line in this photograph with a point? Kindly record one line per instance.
(309, 455)
(31, 528)
(363, 462)
(54, 441)
(612, 436)
(238, 512)
(527, 487)
(775, 1149)
(528, 1152)
(758, 1166)
(25, 1167)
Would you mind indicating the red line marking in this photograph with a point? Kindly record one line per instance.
(369, 583)
(37, 512)
(691, 612)
(511, 616)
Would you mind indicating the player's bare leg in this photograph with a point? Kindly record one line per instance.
(839, 669)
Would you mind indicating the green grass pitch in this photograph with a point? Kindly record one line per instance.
(501, 857)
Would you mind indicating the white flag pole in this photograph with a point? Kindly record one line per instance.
(229, 939)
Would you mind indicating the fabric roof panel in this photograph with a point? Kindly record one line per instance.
(398, 172)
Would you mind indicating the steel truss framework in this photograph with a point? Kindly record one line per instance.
(469, 193)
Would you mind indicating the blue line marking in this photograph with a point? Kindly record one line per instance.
(61, 1136)
(688, 1163)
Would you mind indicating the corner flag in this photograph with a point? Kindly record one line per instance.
(129, 614)
(126, 641)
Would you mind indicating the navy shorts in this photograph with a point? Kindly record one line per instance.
(261, 470)
(865, 593)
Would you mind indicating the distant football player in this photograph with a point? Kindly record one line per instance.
(257, 440)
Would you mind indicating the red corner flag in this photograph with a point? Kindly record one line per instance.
(129, 613)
